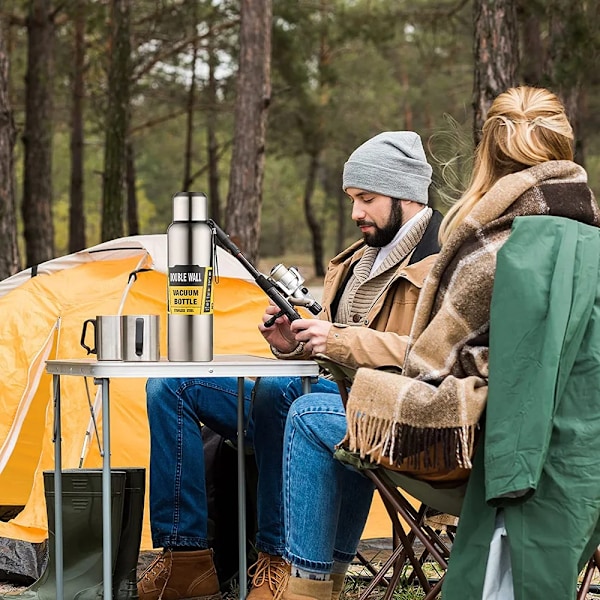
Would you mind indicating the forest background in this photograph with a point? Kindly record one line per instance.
(109, 107)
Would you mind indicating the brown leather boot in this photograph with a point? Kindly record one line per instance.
(307, 589)
(270, 575)
(338, 585)
(187, 575)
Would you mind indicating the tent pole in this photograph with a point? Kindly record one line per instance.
(241, 456)
(58, 520)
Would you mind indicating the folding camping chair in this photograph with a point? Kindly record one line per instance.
(423, 542)
(394, 489)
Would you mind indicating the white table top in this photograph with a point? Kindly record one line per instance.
(224, 365)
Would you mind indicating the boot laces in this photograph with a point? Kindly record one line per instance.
(158, 567)
(272, 572)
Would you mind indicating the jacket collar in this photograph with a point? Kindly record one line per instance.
(427, 245)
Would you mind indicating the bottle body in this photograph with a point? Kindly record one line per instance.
(190, 283)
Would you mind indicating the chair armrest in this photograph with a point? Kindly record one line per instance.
(339, 371)
(354, 460)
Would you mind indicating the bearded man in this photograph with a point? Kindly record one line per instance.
(369, 298)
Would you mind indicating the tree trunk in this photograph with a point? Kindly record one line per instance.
(117, 119)
(496, 50)
(314, 134)
(9, 250)
(532, 63)
(133, 223)
(38, 227)
(408, 112)
(332, 186)
(189, 134)
(566, 45)
(572, 98)
(214, 197)
(251, 108)
(342, 209)
(313, 222)
(76, 204)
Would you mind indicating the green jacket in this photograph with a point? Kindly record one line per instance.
(540, 460)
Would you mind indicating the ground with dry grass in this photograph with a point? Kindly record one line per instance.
(375, 551)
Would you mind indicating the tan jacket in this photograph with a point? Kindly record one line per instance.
(381, 340)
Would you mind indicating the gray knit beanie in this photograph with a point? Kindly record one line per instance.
(392, 164)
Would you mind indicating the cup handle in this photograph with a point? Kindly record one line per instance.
(83, 332)
(139, 336)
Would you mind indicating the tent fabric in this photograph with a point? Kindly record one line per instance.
(154, 246)
(42, 318)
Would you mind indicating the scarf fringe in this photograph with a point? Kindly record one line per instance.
(378, 438)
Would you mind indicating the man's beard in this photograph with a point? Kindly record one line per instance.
(382, 236)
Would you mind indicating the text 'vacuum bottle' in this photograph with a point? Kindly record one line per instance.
(190, 260)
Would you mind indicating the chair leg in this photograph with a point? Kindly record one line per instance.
(435, 590)
(593, 563)
(403, 507)
(398, 507)
(401, 552)
(379, 574)
(367, 565)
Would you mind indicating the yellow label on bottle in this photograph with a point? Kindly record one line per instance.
(190, 290)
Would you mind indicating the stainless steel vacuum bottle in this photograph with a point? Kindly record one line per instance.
(190, 260)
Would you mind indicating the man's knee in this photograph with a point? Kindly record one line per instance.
(158, 390)
(318, 403)
(318, 415)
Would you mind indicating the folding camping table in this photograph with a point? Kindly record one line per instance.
(239, 366)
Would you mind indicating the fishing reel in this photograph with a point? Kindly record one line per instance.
(283, 286)
(291, 284)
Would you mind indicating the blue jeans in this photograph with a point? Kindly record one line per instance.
(326, 503)
(176, 410)
(272, 400)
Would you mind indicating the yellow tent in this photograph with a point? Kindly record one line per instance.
(42, 318)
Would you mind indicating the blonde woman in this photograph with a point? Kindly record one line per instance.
(523, 174)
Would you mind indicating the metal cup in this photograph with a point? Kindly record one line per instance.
(107, 337)
(141, 337)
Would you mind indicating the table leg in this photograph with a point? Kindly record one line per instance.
(307, 384)
(58, 513)
(241, 456)
(241, 460)
(106, 491)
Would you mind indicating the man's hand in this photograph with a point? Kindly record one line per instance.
(279, 335)
(285, 336)
(313, 332)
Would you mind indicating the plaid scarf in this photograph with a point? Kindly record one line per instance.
(434, 408)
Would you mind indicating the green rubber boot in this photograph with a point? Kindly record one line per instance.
(82, 535)
(125, 571)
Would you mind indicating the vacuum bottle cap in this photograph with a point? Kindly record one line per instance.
(190, 206)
